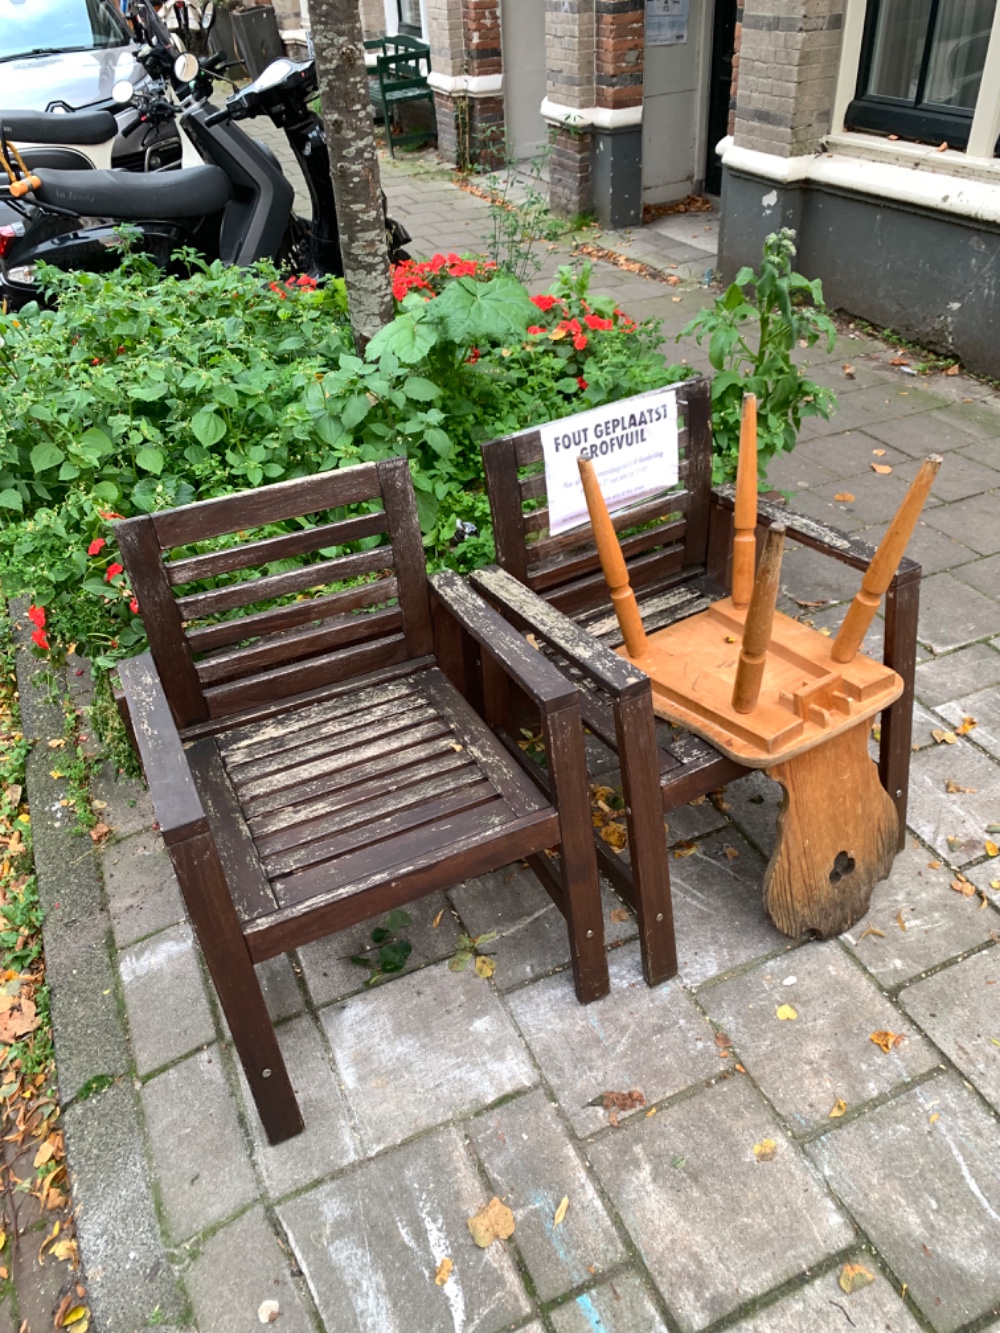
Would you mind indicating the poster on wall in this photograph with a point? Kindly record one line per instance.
(666, 22)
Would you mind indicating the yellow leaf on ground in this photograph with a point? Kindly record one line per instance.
(991, 848)
(961, 885)
(886, 1040)
(945, 737)
(443, 1272)
(845, 497)
(55, 773)
(785, 1012)
(936, 1116)
(493, 1222)
(75, 1315)
(58, 743)
(968, 724)
(879, 453)
(951, 787)
(853, 1277)
(437, 920)
(561, 1211)
(899, 920)
(839, 1109)
(485, 967)
(883, 469)
(730, 853)
(619, 914)
(766, 1150)
(615, 836)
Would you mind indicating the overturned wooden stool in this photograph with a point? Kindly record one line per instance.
(773, 694)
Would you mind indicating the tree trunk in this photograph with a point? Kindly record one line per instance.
(350, 135)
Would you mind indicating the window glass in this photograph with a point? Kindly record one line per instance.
(409, 13)
(958, 52)
(57, 25)
(898, 48)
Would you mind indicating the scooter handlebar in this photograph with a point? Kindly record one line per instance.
(217, 117)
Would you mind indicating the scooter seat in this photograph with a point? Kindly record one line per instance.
(75, 127)
(187, 193)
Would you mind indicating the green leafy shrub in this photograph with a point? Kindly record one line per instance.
(787, 311)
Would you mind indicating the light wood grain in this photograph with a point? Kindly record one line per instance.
(744, 539)
(613, 563)
(757, 628)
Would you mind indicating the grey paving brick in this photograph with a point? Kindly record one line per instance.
(956, 674)
(129, 807)
(984, 451)
(959, 477)
(654, 1040)
(714, 1226)
(327, 966)
(753, 804)
(420, 1050)
(849, 454)
(866, 407)
(959, 1008)
(87, 1026)
(279, 982)
(371, 1243)
(929, 433)
(797, 472)
(718, 913)
(837, 514)
(822, 1307)
(972, 522)
(532, 938)
(940, 923)
(197, 1147)
(931, 549)
(161, 977)
(875, 496)
(954, 828)
(984, 707)
(327, 1142)
(984, 575)
(120, 1242)
(532, 1166)
(981, 419)
(238, 1269)
(694, 820)
(927, 1193)
(952, 614)
(810, 576)
(143, 893)
(803, 1065)
(621, 1305)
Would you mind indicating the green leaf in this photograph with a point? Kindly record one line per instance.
(150, 459)
(355, 410)
(46, 455)
(226, 395)
(208, 427)
(380, 934)
(427, 510)
(407, 338)
(149, 391)
(69, 472)
(11, 499)
(439, 441)
(107, 490)
(420, 389)
(397, 919)
(474, 313)
(98, 440)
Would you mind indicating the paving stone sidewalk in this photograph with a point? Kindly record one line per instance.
(427, 1094)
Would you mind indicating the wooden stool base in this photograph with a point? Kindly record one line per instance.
(837, 837)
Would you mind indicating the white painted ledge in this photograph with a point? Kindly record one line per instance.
(466, 85)
(940, 191)
(591, 117)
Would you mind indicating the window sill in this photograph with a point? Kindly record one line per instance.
(916, 156)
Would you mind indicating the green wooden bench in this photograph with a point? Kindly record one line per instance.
(398, 77)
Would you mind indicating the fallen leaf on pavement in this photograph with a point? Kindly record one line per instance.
(268, 1311)
(822, 602)
(853, 1277)
(883, 469)
(613, 1102)
(898, 361)
(437, 920)
(443, 1272)
(615, 835)
(785, 1012)
(76, 1316)
(944, 737)
(871, 930)
(961, 885)
(493, 1222)
(886, 1040)
(899, 920)
(933, 865)
(619, 914)
(968, 724)
(766, 1150)
(951, 787)
(100, 831)
(991, 848)
(58, 743)
(561, 1211)
(839, 1109)
(849, 371)
(845, 497)
(953, 370)
(685, 849)
(730, 853)
(485, 967)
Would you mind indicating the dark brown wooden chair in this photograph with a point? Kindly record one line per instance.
(678, 552)
(312, 764)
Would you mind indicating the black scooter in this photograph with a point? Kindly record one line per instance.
(237, 207)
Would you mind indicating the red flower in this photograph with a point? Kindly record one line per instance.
(544, 302)
(96, 361)
(98, 544)
(112, 571)
(275, 288)
(36, 614)
(121, 349)
(596, 322)
(580, 341)
(133, 606)
(109, 513)
(39, 640)
(537, 328)
(473, 356)
(581, 383)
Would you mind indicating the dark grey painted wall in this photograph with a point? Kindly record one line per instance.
(617, 165)
(929, 276)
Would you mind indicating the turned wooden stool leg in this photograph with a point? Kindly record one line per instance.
(837, 837)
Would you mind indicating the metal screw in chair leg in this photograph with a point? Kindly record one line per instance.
(265, 1073)
(659, 916)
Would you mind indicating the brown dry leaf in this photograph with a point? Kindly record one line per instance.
(968, 724)
(786, 1013)
(879, 453)
(886, 1040)
(951, 787)
(871, 930)
(673, 280)
(848, 371)
(493, 1222)
(943, 147)
(961, 885)
(533, 641)
(853, 1277)
(437, 920)
(845, 497)
(443, 1272)
(730, 853)
(619, 914)
(455, 746)
(823, 600)
(766, 1150)
(933, 865)
(883, 469)
(685, 849)
(268, 1311)
(485, 967)
(613, 1102)
(954, 370)
(561, 1211)
(58, 743)
(100, 831)
(944, 737)
(723, 1040)
(899, 920)
(898, 361)
(615, 835)
(839, 1109)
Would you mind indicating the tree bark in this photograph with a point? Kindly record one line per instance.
(338, 43)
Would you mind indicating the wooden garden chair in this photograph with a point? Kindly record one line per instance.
(312, 764)
(678, 562)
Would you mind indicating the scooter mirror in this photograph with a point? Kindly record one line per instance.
(178, 43)
(186, 67)
(207, 15)
(122, 93)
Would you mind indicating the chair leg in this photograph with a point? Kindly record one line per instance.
(210, 906)
(570, 792)
(636, 731)
(902, 608)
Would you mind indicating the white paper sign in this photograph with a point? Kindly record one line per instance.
(632, 444)
(666, 22)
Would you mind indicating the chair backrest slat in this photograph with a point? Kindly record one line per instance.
(565, 568)
(211, 670)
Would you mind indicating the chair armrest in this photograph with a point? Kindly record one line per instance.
(819, 536)
(612, 673)
(542, 682)
(178, 806)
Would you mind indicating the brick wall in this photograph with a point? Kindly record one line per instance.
(569, 48)
(788, 58)
(620, 37)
